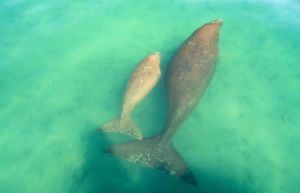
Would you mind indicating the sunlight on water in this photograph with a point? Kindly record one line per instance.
(63, 71)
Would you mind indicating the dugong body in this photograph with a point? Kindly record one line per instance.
(189, 73)
(188, 76)
(140, 83)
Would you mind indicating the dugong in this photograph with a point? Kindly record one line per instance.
(140, 83)
(188, 76)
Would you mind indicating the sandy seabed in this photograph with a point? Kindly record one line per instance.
(63, 70)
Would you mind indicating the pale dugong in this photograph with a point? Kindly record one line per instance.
(141, 82)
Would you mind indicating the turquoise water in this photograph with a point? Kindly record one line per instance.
(64, 66)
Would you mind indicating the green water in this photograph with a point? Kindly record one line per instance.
(64, 66)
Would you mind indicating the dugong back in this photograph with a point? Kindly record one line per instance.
(193, 65)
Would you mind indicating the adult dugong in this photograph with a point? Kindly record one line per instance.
(188, 76)
(140, 83)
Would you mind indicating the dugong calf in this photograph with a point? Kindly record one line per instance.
(188, 76)
(141, 82)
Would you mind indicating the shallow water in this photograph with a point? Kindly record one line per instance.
(63, 70)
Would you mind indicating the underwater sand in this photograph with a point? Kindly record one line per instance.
(64, 66)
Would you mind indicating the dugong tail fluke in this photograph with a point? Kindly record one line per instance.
(124, 125)
(154, 153)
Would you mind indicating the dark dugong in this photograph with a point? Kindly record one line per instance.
(188, 76)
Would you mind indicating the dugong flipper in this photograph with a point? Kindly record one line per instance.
(141, 82)
(188, 75)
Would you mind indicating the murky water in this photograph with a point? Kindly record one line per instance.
(63, 70)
